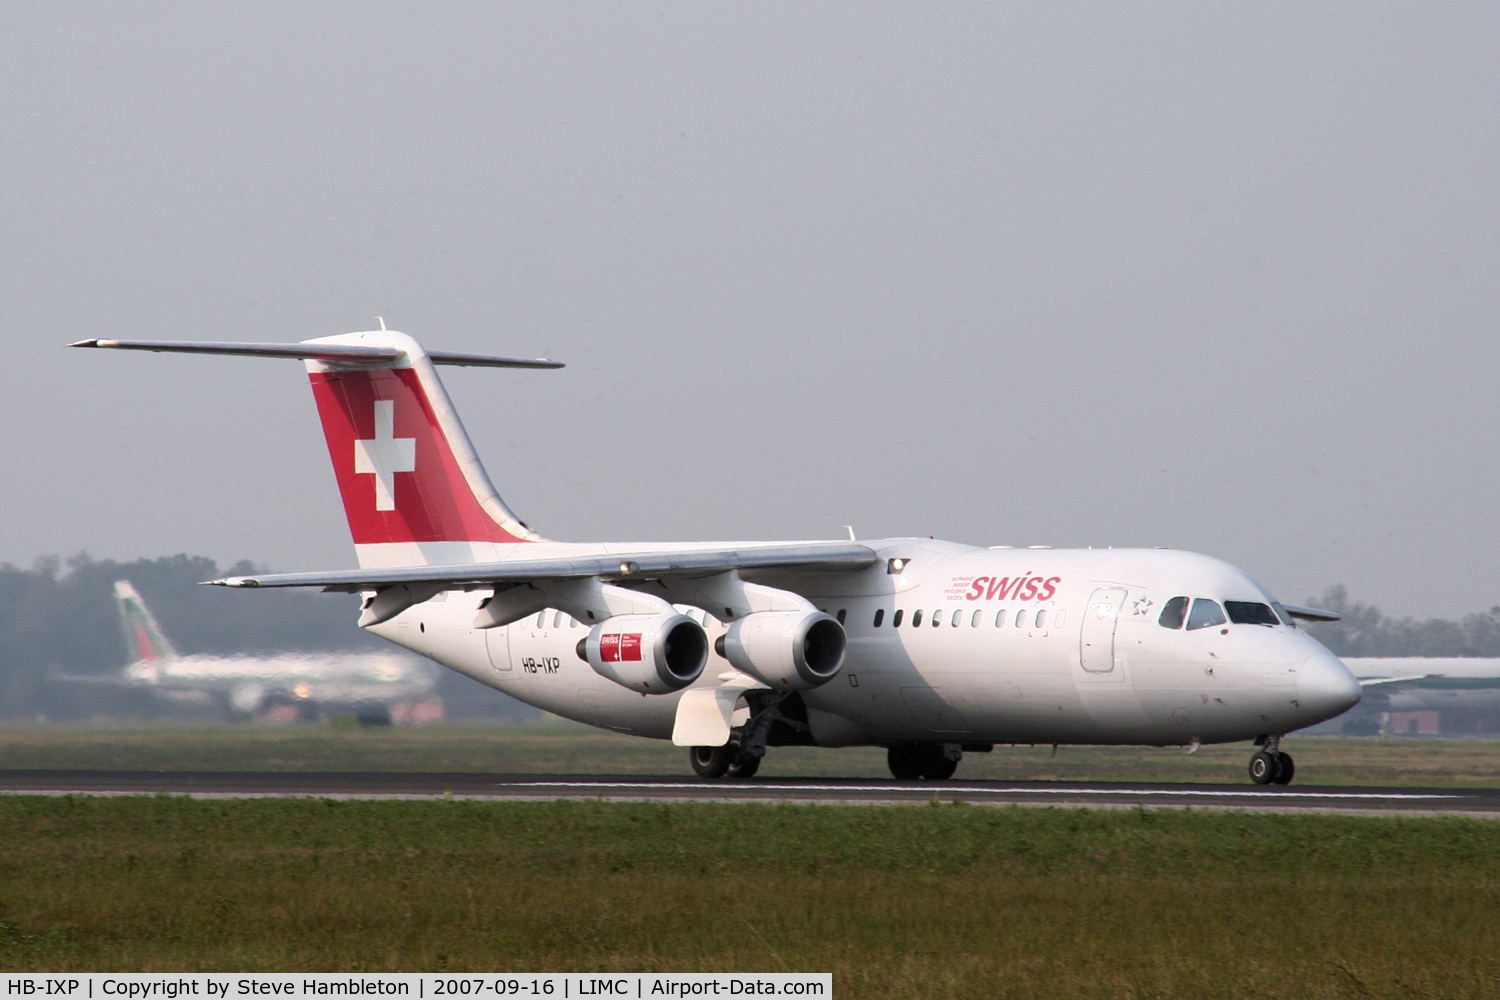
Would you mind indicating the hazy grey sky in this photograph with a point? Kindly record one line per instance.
(1218, 277)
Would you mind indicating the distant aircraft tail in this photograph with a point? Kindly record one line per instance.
(149, 650)
(414, 491)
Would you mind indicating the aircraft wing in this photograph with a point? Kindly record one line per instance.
(1311, 614)
(113, 680)
(1369, 682)
(812, 557)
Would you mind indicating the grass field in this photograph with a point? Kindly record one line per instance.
(560, 748)
(896, 901)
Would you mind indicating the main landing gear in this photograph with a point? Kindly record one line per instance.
(716, 762)
(1272, 766)
(741, 756)
(928, 761)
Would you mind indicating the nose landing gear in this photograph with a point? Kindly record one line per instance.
(1271, 766)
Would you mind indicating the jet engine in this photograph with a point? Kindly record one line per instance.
(652, 654)
(789, 650)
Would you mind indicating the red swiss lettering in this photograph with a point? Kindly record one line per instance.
(976, 589)
(1049, 588)
(1028, 591)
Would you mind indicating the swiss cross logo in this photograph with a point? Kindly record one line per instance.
(385, 454)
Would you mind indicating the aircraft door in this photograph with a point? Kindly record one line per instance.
(497, 643)
(1096, 644)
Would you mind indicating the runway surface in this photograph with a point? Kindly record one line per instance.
(362, 785)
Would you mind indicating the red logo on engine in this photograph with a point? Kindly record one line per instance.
(617, 646)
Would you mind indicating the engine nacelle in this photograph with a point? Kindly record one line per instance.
(652, 654)
(789, 650)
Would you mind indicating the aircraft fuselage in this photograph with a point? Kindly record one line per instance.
(966, 645)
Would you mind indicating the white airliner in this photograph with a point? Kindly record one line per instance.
(931, 649)
(367, 684)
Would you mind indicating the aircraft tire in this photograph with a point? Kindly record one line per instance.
(938, 767)
(744, 767)
(1263, 768)
(905, 761)
(711, 763)
(1285, 768)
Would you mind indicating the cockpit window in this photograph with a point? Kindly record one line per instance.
(1205, 614)
(1173, 612)
(1250, 613)
(1286, 619)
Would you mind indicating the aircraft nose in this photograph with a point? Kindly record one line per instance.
(1326, 686)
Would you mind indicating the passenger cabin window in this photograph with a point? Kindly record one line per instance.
(1041, 618)
(957, 619)
(916, 619)
(1021, 618)
(1000, 618)
(1250, 613)
(557, 620)
(896, 621)
(974, 622)
(1204, 615)
(879, 616)
(1173, 613)
(541, 619)
(937, 618)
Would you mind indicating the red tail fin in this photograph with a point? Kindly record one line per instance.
(413, 489)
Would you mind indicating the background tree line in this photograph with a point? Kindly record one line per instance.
(1366, 631)
(61, 618)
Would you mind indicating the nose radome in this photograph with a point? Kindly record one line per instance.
(1326, 686)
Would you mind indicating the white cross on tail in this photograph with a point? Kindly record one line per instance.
(386, 455)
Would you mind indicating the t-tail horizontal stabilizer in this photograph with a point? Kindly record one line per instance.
(344, 353)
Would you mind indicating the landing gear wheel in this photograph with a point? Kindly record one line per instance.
(1284, 769)
(1263, 768)
(712, 762)
(938, 767)
(905, 761)
(744, 767)
(913, 761)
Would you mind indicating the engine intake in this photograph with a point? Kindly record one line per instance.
(652, 654)
(789, 650)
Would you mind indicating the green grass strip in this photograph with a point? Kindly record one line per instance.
(896, 901)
